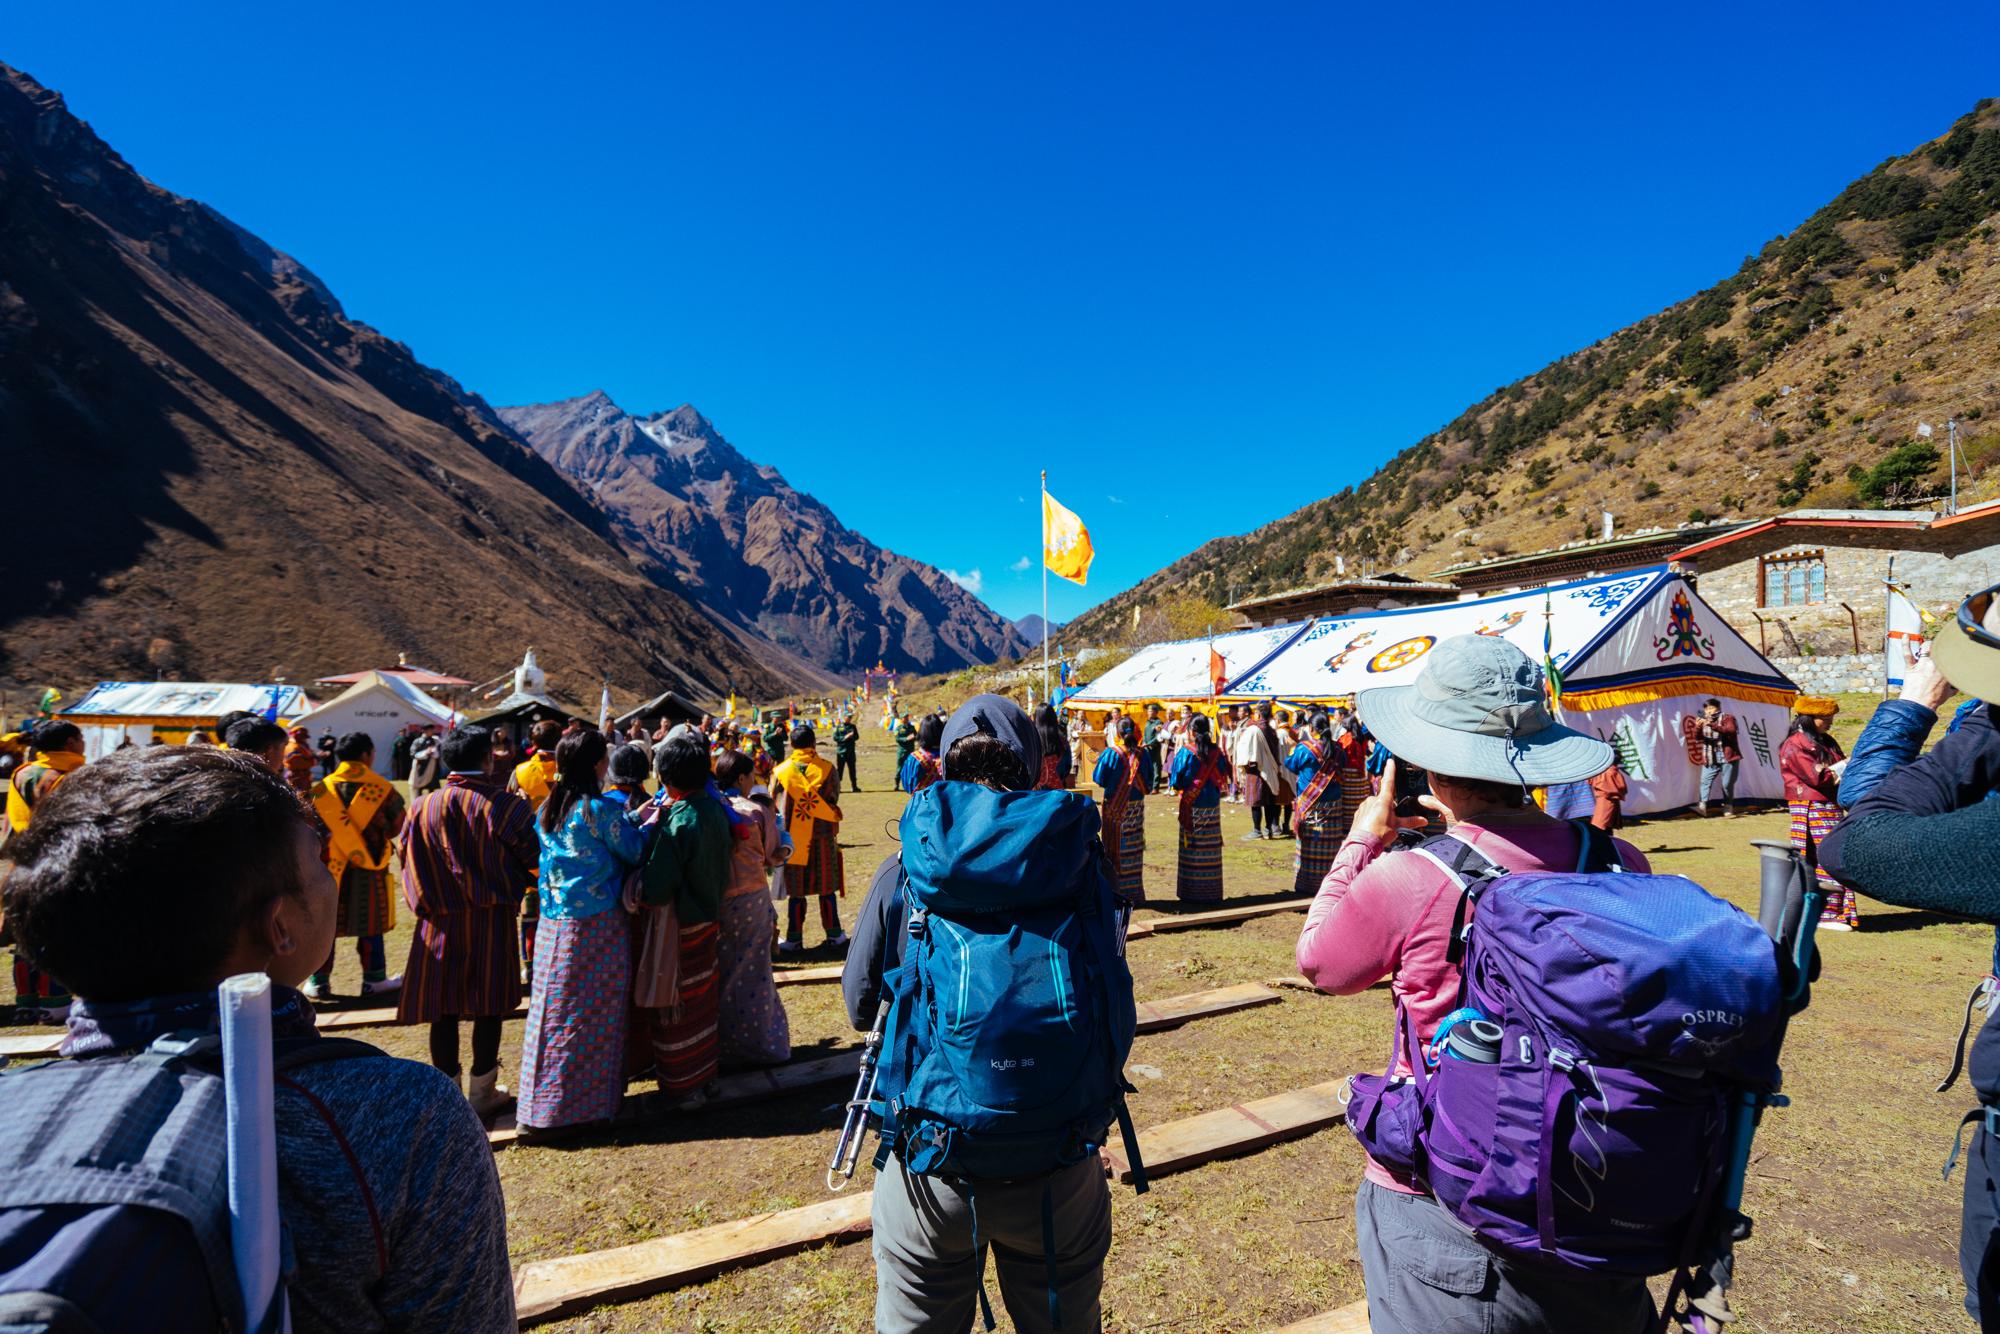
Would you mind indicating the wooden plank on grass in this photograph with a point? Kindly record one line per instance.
(1243, 1128)
(792, 977)
(1177, 1010)
(32, 1044)
(1349, 1319)
(731, 1091)
(552, 1289)
(1221, 917)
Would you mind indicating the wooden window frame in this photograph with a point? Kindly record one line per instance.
(1794, 557)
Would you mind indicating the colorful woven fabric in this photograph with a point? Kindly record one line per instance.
(366, 905)
(684, 1044)
(822, 872)
(752, 1028)
(573, 1053)
(1128, 871)
(1811, 822)
(466, 964)
(1355, 788)
(1199, 879)
(1319, 841)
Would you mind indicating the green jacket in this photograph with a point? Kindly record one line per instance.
(845, 737)
(689, 863)
(906, 739)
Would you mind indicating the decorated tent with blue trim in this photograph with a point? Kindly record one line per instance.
(1634, 653)
(1177, 673)
(115, 712)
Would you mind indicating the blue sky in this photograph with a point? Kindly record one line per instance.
(1204, 263)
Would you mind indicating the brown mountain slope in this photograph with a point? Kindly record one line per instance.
(215, 474)
(1800, 380)
(772, 558)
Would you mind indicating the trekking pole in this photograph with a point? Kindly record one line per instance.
(854, 1128)
(250, 1135)
(1788, 905)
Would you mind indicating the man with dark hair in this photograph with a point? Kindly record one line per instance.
(1710, 739)
(983, 835)
(905, 733)
(846, 736)
(229, 720)
(259, 738)
(363, 813)
(327, 757)
(469, 853)
(925, 765)
(150, 878)
(809, 805)
(58, 752)
(688, 870)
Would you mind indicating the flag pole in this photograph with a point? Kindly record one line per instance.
(1045, 583)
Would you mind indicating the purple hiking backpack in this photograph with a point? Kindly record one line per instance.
(1579, 1118)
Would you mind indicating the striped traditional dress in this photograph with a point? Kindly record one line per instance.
(1200, 780)
(1122, 775)
(1808, 789)
(469, 851)
(1317, 816)
(684, 1040)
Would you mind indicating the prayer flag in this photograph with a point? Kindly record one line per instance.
(1549, 667)
(1218, 671)
(604, 709)
(1066, 547)
(1903, 645)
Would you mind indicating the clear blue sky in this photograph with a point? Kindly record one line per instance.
(1204, 263)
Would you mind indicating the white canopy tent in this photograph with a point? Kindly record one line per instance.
(380, 704)
(1178, 673)
(1635, 652)
(115, 712)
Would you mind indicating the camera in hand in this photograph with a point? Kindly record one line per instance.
(1411, 783)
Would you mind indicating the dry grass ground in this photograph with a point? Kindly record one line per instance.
(1854, 1229)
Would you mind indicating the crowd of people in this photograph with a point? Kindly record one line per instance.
(624, 881)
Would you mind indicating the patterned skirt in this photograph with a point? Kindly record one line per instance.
(466, 964)
(573, 1053)
(1128, 877)
(1199, 879)
(753, 1026)
(822, 872)
(1811, 822)
(684, 1044)
(1319, 841)
(367, 907)
(1355, 788)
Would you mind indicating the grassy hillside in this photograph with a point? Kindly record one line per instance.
(1799, 380)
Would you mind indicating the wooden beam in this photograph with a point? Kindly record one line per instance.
(792, 977)
(1174, 1011)
(1349, 1319)
(32, 1044)
(552, 1289)
(1242, 1128)
(1221, 917)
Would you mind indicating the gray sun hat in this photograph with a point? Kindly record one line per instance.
(1477, 711)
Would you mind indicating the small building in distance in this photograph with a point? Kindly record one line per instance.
(1342, 597)
(1580, 560)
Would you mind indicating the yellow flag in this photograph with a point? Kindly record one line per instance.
(1065, 542)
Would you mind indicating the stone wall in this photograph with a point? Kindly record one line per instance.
(1830, 674)
(1854, 575)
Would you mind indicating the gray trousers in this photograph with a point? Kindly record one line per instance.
(1426, 1274)
(927, 1275)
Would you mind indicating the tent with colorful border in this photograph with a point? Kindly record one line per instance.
(115, 712)
(1178, 673)
(1634, 653)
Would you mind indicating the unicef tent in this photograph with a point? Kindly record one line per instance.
(1178, 673)
(380, 704)
(1635, 653)
(115, 712)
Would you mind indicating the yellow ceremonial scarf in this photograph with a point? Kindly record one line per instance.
(345, 824)
(802, 776)
(534, 776)
(57, 763)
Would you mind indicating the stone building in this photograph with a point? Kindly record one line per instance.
(1342, 597)
(1613, 554)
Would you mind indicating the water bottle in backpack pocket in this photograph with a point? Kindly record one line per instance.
(1630, 1007)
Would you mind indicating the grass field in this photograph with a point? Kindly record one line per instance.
(1854, 1229)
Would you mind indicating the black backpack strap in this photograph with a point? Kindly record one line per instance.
(1597, 851)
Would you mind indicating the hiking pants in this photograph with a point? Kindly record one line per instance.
(1427, 1274)
(844, 764)
(1723, 775)
(927, 1274)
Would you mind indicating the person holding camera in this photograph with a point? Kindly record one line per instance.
(1477, 719)
(1710, 738)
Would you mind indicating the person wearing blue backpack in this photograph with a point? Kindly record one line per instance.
(1516, 1178)
(147, 879)
(988, 951)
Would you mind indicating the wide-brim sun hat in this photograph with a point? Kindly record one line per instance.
(1967, 647)
(1477, 710)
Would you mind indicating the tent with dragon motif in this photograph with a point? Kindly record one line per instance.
(1633, 653)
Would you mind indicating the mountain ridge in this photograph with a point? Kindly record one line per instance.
(775, 559)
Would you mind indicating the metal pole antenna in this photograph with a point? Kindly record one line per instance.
(1951, 438)
(1045, 583)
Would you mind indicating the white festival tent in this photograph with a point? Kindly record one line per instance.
(1178, 672)
(380, 704)
(118, 711)
(1636, 652)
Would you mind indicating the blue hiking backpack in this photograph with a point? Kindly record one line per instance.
(114, 1196)
(1011, 1014)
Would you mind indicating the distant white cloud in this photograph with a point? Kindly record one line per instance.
(1022, 566)
(971, 582)
(1116, 500)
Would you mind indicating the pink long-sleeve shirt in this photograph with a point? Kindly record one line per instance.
(1377, 917)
